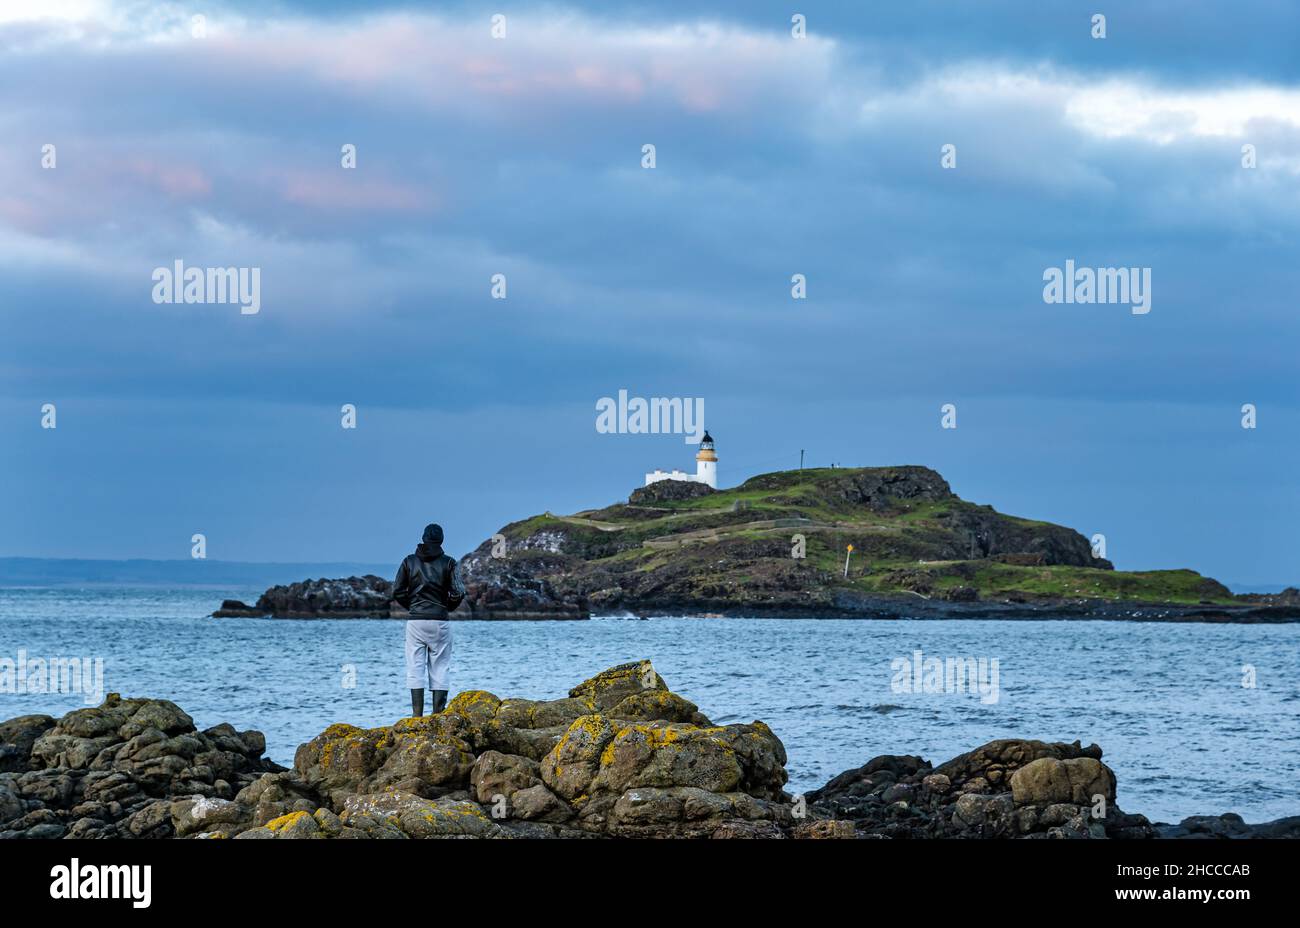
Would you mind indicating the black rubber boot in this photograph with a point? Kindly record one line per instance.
(417, 703)
(439, 701)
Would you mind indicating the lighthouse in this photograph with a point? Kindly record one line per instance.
(706, 467)
(706, 462)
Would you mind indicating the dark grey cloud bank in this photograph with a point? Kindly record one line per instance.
(522, 157)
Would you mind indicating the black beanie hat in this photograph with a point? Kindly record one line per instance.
(433, 534)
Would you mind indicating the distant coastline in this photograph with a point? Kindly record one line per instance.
(39, 572)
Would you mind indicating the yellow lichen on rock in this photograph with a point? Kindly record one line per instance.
(286, 821)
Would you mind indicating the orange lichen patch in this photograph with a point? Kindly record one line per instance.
(466, 810)
(284, 821)
(338, 730)
(473, 698)
(639, 674)
(658, 734)
(593, 726)
(412, 724)
(348, 737)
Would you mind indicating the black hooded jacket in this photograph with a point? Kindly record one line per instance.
(428, 583)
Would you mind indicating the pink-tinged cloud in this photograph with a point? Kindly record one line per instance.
(22, 214)
(182, 181)
(409, 58)
(347, 190)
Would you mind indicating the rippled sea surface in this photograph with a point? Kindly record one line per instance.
(1166, 702)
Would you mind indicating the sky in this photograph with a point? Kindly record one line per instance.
(218, 142)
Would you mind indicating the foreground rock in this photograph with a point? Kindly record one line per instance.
(1005, 789)
(621, 756)
(115, 771)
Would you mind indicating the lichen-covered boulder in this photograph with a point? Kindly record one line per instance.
(610, 687)
(417, 755)
(573, 763)
(495, 774)
(1004, 789)
(116, 770)
(476, 708)
(417, 817)
(720, 759)
(1078, 780)
(666, 778)
(532, 728)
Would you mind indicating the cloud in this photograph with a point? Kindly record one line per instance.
(522, 156)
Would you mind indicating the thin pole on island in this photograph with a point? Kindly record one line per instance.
(847, 554)
(801, 459)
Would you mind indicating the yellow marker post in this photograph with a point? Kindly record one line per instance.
(847, 554)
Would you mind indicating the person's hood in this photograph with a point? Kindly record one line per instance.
(430, 546)
(428, 552)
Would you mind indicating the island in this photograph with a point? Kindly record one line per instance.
(778, 545)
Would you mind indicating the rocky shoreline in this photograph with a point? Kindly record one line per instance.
(365, 598)
(620, 757)
(899, 607)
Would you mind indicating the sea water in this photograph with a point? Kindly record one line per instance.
(1193, 718)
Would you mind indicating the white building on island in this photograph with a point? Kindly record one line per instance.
(706, 467)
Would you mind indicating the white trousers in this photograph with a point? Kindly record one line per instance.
(428, 654)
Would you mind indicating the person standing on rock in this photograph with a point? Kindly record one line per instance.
(428, 584)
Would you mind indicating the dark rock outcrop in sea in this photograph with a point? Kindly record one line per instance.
(494, 589)
(351, 598)
(621, 756)
(1006, 789)
(514, 588)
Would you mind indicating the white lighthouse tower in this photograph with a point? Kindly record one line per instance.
(706, 462)
(706, 467)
